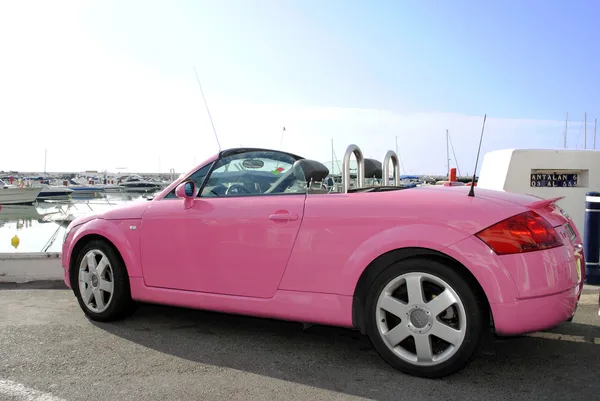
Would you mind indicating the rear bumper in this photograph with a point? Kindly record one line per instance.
(535, 314)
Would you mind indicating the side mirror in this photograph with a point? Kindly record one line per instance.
(186, 190)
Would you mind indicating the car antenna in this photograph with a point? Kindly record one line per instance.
(207, 110)
(472, 190)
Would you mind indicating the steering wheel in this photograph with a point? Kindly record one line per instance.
(239, 188)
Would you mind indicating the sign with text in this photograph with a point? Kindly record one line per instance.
(554, 180)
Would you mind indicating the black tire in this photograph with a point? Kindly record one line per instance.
(120, 305)
(474, 311)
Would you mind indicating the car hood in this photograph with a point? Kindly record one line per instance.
(133, 210)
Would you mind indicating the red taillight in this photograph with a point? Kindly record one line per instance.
(525, 232)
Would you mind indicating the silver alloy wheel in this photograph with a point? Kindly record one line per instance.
(420, 319)
(96, 281)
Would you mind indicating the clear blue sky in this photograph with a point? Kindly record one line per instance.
(510, 58)
(406, 66)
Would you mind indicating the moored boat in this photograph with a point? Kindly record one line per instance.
(56, 192)
(16, 195)
(135, 183)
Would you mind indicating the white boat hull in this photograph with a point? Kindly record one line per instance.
(17, 195)
(139, 189)
(55, 193)
(95, 192)
(112, 188)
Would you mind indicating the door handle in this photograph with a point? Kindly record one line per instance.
(283, 217)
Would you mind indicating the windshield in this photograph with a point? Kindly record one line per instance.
(251, 173)
(257, 164)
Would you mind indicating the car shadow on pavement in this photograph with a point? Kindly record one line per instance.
(341, 360)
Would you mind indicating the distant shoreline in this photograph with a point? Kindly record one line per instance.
(168, 175)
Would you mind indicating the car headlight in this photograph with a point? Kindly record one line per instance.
(67, 231)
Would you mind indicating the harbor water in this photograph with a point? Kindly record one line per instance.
(40, 227)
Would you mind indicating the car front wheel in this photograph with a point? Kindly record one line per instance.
(102, 287)
(423, 318)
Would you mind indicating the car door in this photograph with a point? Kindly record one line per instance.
(233, 243)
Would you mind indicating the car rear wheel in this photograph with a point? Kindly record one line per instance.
(423, 318)
(102, 286)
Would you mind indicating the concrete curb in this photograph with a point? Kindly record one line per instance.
(30, 267)
(29, 255)
(34, 285)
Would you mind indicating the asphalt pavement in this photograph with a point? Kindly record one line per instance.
(50, 352)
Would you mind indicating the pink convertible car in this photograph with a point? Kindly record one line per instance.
(424, 272)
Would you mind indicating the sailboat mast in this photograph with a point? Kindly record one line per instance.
(447, 155)
(332, 157)
(595, 124)
(45, 159)
(399, 158)
(584, 130)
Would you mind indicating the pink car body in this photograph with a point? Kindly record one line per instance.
(303, 257)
